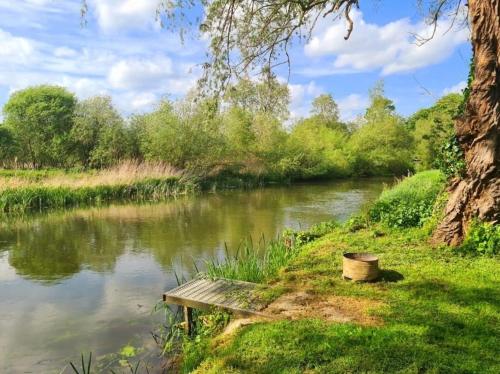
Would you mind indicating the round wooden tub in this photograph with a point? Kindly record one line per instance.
(360, 266)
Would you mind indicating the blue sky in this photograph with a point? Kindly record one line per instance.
(124, 53)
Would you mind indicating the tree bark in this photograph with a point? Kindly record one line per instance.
(478, 193)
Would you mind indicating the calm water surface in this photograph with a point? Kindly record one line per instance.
(87, 280)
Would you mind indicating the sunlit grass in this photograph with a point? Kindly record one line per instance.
(251, 263)
(130, 181)
(440, 313)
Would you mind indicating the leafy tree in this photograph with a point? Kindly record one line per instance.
(245, 35)
(380, 106)
(382, 145)
(433, 127)
(7, 145)
(98, 133)
(270, 145)
(320, 148)
(266, 96)
(187, 139)
(326, 108)
(40, 119)
(237, 132)
(112, 145)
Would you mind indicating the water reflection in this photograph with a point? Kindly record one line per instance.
(86, 279)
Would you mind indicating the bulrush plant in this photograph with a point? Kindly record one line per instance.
(128, 181)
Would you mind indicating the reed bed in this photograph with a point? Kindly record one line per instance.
(127, 172)
(253, 264)
(129, 181)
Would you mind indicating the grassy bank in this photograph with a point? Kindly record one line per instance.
(434, 309)
(35, 190)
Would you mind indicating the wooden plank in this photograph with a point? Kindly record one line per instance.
(204, 293)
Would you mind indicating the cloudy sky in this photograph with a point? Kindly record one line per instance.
(123, 52)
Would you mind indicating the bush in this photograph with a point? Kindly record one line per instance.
(410, 203)
(298, 238)
(482, 238)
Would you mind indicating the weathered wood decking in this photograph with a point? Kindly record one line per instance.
(203, 293)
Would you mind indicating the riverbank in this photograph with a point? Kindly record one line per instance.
(434, 309)
(27, 191)
(23, 191)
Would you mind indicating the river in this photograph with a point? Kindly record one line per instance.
(87, 280)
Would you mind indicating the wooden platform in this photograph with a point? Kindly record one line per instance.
(204, 293)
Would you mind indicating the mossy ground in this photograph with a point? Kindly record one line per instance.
(438, 312)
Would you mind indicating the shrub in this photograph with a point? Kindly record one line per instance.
(298, 238)
(450, 158)
(410, 203)
(482, 238)
(356, 223)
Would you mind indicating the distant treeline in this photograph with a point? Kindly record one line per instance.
(247, 132)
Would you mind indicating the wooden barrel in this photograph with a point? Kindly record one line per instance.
(360, 266)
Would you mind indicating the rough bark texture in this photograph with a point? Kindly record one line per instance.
(478, 193)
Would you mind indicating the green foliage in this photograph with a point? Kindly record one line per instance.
(319, 149)
(187, 139)
(411, 202)
(325, 108)
(381, 148)
(432, 129)
(356, 223)
(482, 238)
(240, 139)
(437, 313)
(7, 146)
(40, 119)
(98, 133)
(382, 145)
(265, 96)
(252, 264)
(466, 93)
(25, 199)
(295, 238)
(450, 159)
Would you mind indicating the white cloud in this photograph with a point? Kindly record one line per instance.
(65, 52)
(390, 47)
(301, 96)
(457, 88)
(113, 15)
(137, 74)
(351, 105)
(143, 100)
(15, 49)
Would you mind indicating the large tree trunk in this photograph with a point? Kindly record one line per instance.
(478, 193)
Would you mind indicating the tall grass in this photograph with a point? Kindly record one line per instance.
(253, 263)
(129, 181)
(127, 172)
(410, 203)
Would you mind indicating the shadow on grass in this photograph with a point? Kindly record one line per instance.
(390, 276)
(433, 326)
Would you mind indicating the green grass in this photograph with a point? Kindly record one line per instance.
(32, 198)
(410, 203)
(253, 264)
(438, 308)
(440, 313)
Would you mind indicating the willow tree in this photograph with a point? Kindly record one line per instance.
(252, 34)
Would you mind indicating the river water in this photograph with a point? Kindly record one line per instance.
(87, 280)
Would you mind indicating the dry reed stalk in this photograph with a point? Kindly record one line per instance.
(126, 172)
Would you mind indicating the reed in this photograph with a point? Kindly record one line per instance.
(251, 263)
(129, 181)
